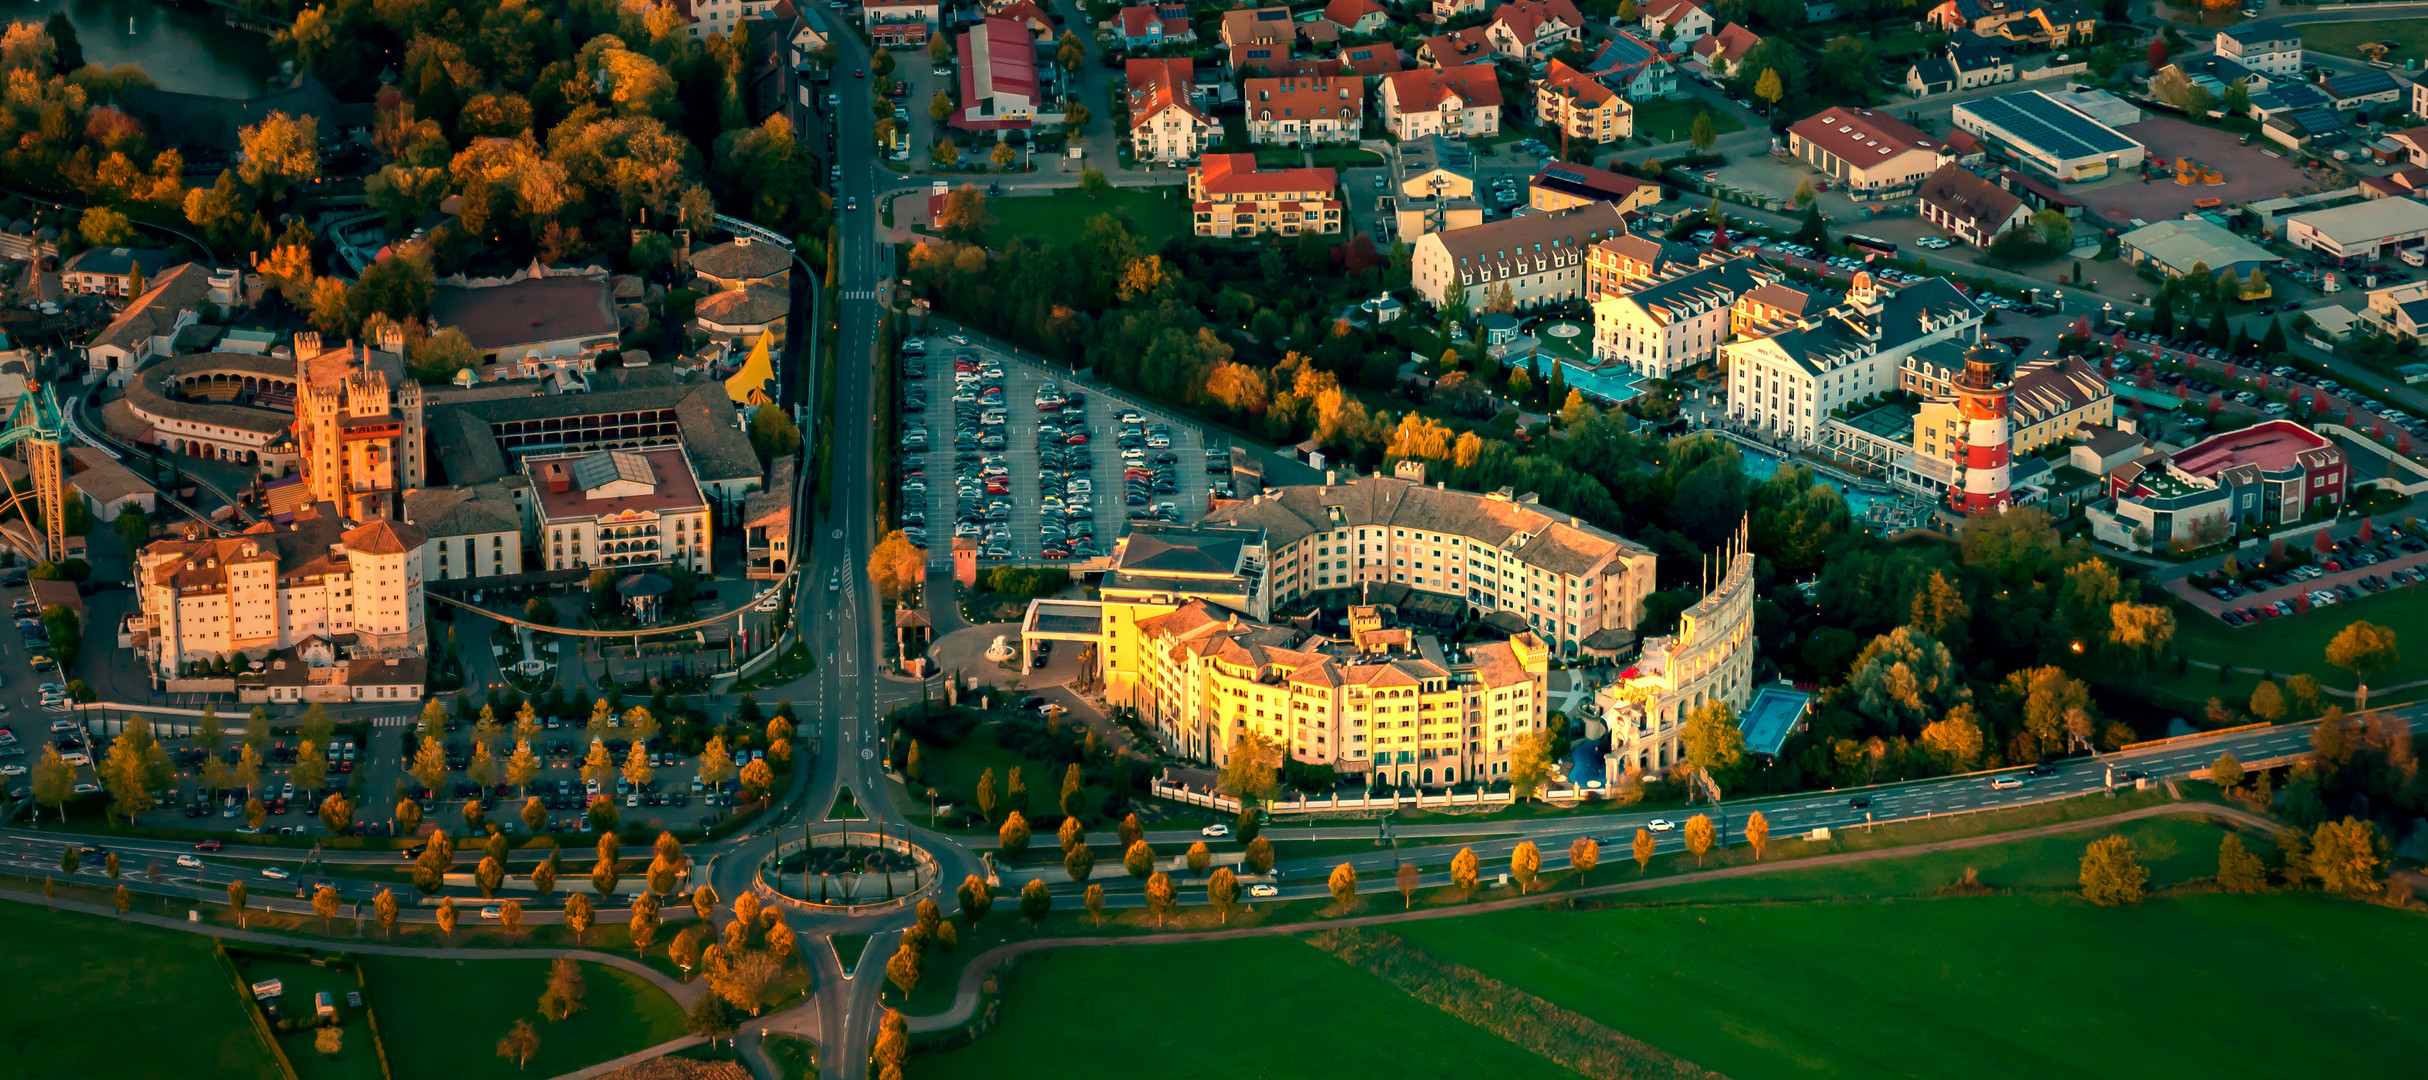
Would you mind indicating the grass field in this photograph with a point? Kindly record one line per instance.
(954, 774)
(2298, 642)
(1248, 1009)
(2024, 983)
(1671, 121)
(1157, 213)
(444, 1017)
(2409, 37)
(63, 976)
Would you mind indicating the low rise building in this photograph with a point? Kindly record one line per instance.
(114, 271)
(1872, 153)
(1639, 69)
(1153, 26)
(1231, 197)
(901, 24)
(1722, 53)
(2276, 472)
(616, 508)
(1000, 88)
(1305, 111)
(1537, 258)
(1166, 126)
(1463, 101)
(767, 526)
(1528, 31)
(473, 530)
(1579, 107)
(2270, 48)
(1561, 185)
(149, 324)
(548, 318)
(2361, 232)
(2190, 245)
(2048, 136)
(1972, 209)
(1679, 22)
(1358, 16)
(1433, 187)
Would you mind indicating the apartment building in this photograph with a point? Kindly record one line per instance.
(615, 508)
(1787, 384)
(1232, 197)
(1463, 101)
(1710, 658)
(1304, 110)
(1580, 107)
(1166, 126)
(272, 588)
(1528, 31)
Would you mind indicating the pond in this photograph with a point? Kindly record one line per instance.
(186, 50)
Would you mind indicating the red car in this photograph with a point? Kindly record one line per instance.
(207, 845)
(2332, 566)
(1080, 439)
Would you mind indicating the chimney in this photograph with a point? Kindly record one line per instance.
(1331, 477)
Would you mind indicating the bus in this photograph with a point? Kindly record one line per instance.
(1873, 245)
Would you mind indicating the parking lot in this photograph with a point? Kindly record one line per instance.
(2351, 571)
(1037, 470)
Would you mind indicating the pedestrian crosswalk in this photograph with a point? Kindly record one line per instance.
(394, 721)
(862, 294)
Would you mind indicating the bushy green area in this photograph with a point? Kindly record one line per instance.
(444, 1017)
(64, 976)
(1266, 1007)
(2022, 983)
(1158, 214)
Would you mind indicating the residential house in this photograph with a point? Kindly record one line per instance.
(1463, 101)
(1258, 26)
(1231, 197)
(999, 84)
(111, 271)
(1532, 30)
(1153, 26)
(1304, 111)
(1678, 22)
(1372, 61)
(1638, 69)
(1580, 107)
(2270, 48)
(1723, 52)
(1433, 186)
(1973, 210)
(1027, 13)
(2055, 25)
(2414, 142)
(1873, 153)
(1472, 45)
(1166, 127)
(1966, 62)
(1446, 10)
(1358, 16)
(148, 325)
(1538, 258)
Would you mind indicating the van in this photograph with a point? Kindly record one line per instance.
(325, 1003)
(2415, 257)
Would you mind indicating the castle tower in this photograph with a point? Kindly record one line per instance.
(1983, 474)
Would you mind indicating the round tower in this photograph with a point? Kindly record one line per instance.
(1983, 472)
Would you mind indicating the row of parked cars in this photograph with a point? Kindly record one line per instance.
(2353, 557)
(1066, 482)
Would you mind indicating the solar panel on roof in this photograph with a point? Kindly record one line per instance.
(2317, 121)
(601, 469)
(2041, 122)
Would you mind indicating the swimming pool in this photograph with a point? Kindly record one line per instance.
(1763, 464)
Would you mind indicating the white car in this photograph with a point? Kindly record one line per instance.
(2004, 782)
(488, 913)
(1215, 831)
(1260, 891)
(275, 873)
(189, 862)
(1660, 825)
(78, 758)
(12, 770)
(65, 726)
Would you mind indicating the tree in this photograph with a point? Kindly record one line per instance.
(1139, 860)
(1465, 870)
(384, 911)
(1525, 864)
(2239, 871)
(1769, 88)
(1258, 856)
(1713, 742)
(489, 876)
(1160, 897)
(2364, 649)
(324, 904)
(2348, 856)
(2111, 875)
(704, 903)
(1093, 185)
(1529, 764)
(1035, 902)
(1199, 858)
(1344, 884)
(565, 992)
(1757, 833)
(1222, 891)
(1014, 835)
(1094, 900)
(1643, 850)
(976, 899)
(1698, 836)
(2226, 772)
(684, 950)
(964, 217)
(54, 782)
(1003, 155)
(446, 916)
(1078, 862)
(278, 153)
(987, 797)
(1250, 774)
(1702, 133)
(642, 926)
(519, 1044)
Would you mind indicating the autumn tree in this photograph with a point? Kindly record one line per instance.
(1643, 850)
(1160, 897)
(1222, 891)
(1584, 853)
(1344, 884)
(2348, 857)
(1139, 860)
(1757, 833)
(2111, 875)
(2226, 772)
(895, 567)
(578, 915)
(1199, 857)
(565, 991)
(1713, 742)
(519, 1043)
(1035, 901)
(1014, 835)
(1525, 864)
(1251, 775)
(1698, 836)
(1465, 870)
(976, 899)
(1093, 899)
(2364, 649)
(1529, 764)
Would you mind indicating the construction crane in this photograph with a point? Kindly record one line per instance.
(35, 427)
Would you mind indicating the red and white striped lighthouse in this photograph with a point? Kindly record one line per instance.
(1983, 472)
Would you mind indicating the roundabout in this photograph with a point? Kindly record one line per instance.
(847, 873)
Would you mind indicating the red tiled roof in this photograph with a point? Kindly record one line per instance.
(1730, 43)
(1422, 90)
(1451, 50)
(1577, 85)
(1337, 98)
(1159, 84)
(1965, 196)
(1372, 61)
(1861, 136)
(1236, 174)
(1524, 17)
(1346, 13)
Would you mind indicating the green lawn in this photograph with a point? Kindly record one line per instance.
(1157, 213)
(2024, 983)
(1671, 121)
(2409, 36)
(1246, 1009)
(61, 973)
(954, 774)
(444, 1017)
(2298, 642)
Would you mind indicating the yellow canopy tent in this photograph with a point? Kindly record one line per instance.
(748, 387)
